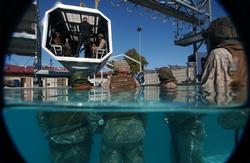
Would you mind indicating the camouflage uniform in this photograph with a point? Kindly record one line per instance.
(123, 136)
(225, 66)
(186, 129)
(225, 72)
(187, 137)
(121, 71)
(123, 133)
(68, 134)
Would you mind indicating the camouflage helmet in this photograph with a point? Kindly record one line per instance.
(121, 66)
(78, 78)
(221, 28)
(165, 74)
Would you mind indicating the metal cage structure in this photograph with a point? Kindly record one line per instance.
(66, 19)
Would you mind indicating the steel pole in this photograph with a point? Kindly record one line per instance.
(139, 29)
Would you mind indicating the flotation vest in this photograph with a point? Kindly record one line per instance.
(238, 69)
(122, 81)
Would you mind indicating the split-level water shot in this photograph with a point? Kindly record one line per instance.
(125, 81)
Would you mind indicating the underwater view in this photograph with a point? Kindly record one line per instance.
(147, 125)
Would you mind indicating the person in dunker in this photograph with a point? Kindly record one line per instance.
(186, 129)
(86, 30)
(224, 78)
(57, 40)
(69, 133)
(123, 132)
(67, 50)
(101, 44)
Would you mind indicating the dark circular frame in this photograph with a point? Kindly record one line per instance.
(10, 14)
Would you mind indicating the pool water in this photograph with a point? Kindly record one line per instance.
(150, 125)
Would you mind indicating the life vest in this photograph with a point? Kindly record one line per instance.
(238, 69)
(122, 81)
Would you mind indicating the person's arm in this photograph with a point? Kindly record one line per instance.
(102, 44)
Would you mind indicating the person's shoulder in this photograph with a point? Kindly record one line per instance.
(170, 85)
(219, 53)
(219, 50)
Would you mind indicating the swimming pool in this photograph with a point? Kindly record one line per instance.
(148, 125)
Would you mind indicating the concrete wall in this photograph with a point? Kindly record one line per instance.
(181, 74)
(54, 82)
(151, 79)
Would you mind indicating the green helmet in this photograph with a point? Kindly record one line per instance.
(78, 78)
(221, 28)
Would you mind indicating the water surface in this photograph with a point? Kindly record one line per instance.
(183, 125)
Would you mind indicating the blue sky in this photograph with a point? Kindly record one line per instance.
(157, 43)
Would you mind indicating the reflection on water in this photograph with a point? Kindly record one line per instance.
(101, 126)
(149, 97)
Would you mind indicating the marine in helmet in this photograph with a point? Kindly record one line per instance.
(225, 72)
(80, 82)
(166, 77)
(186, 129)
(123, 133)
(121, 79)
(69, 134)
(225, 64)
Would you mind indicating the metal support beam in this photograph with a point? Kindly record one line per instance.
(189, 40)
(170, 11)
(188, 5)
